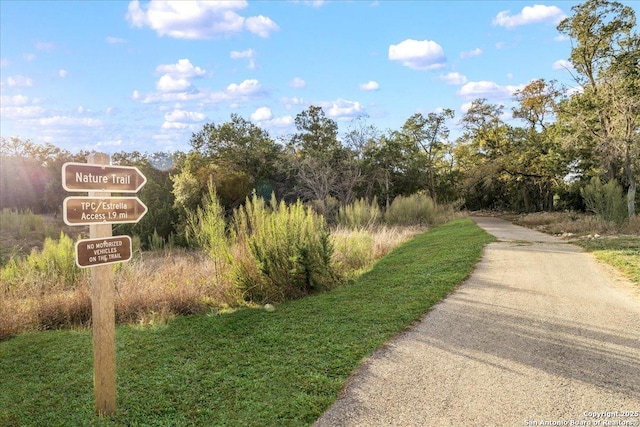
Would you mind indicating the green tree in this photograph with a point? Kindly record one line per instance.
(431, 134)
(323, 168)
(539, 162)
(605, 56)
(162, 217)
(482, 152)
(244, 153)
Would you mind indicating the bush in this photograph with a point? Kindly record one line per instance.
(606, 201)
(417, 209)
(354, 250)
(54, 266)
(360, 214)
(284, 251)
(206, 229)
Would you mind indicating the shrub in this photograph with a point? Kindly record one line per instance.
(284, 251)
(53, 266)
(417, 209)
(206, 228)
(354, 250)
(605, 200)
(360, 214)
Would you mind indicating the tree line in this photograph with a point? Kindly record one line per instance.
(564, 142)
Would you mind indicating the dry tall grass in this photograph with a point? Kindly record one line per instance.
(576, 223)
(156, 286)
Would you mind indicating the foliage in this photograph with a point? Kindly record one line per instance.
(353, 250)
(605, 200)
(287, 251)
(431, 134)
(53, 266)
(245, 368)
(604, 119)
(360, 214)
(239, 156)
(206, 228)
(162, 217)
(417, 209)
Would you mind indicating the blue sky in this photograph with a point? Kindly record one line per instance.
(123, 76)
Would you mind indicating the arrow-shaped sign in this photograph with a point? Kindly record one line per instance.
(90, 177)
(99, 210)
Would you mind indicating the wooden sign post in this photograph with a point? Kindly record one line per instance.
(103, 317)
(99, 210)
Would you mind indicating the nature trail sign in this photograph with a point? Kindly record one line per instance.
(99, 210)
(92, 177)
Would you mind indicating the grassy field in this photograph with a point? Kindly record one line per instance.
(622, 252)
(249, 367)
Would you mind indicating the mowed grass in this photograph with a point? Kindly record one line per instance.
(250, 367)
(621, 252)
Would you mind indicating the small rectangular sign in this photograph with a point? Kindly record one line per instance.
(79, 210)
(108, 250)
(91, 177)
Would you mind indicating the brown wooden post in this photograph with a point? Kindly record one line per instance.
(103, 316)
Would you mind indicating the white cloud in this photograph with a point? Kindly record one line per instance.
(46, 46)
(197, 20)
(21, 113)
(561, 38)
(181, 119)
(115, 40)
(4, 62)
(238, 92)
(261, 114)
(261, 26)
(454, 79)
(280, 122)
(297, 83)
(290, 102)
(370, 86)
(471, 53)
(170, 84)
(418, 54)
(247, 87)
(314, 3)
(562, 64)
(66, 121)
(342, 109)
(28, 56)
(63, 73)
(183, 69)
(135, 95)
(13, 101)
(19, 81)
(242, 54)
(486, 89)
(500, 45)
(171, 97)
(529, 15)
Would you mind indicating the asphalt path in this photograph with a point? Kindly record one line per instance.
(540, 334)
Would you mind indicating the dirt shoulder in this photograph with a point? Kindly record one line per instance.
(539, 332)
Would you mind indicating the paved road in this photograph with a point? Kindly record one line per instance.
(540, 332)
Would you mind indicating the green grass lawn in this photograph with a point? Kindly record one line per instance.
(246, 368)
(621, 252)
